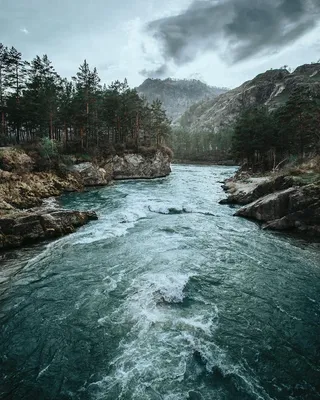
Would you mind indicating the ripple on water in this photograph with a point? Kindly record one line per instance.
(166, 296)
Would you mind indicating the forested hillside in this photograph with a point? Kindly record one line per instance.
(290, 100)
(78, 114)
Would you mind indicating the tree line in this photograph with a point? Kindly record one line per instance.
(80, 114)
(264, 138)
(201, 146)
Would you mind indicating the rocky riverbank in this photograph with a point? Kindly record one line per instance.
(287, 200)
(43, 223)
(23, 216)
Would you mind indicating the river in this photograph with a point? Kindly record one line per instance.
(166, 296)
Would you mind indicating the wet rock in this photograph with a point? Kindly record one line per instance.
(268, 208)
(91, 175)
(137, 166)
(296, 208)
(21, 228)
(246, 191)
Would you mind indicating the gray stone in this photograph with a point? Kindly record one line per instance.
(40, 224)
(137, 166)
(296, 208)
(91, 175)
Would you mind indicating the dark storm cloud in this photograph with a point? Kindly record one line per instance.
(156, 73)
(246, 27)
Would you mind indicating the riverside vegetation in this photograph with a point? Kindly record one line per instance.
(65, 135)
(285, 141)
(270, 126)
(58, 135)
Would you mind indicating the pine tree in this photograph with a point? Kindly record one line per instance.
(37, 105)
(160, 123)
(87, 87)
(15, 80)
(3, 60)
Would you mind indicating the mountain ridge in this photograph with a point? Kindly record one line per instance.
(177, 95)
(271, 88)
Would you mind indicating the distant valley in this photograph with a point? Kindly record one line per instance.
(203, 132)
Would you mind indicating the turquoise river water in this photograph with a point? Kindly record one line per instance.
(166, 296)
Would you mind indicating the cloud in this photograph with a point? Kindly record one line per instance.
(159, 72)
(25, 31)
(237, 29)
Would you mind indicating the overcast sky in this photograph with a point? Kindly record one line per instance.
(223, 42)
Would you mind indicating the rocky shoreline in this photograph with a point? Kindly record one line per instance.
(25, 217)
(34, 225)
(283, 201)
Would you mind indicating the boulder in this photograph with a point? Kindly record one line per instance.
(39, 224)
(268, 208)
(243, 191)
(91, 175)
(248, 190)
(296, 208)
(137, 166)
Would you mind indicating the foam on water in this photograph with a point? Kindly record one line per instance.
(133, 208)
(154, 351)
(185, 307)
(162, 342)
(116, 224)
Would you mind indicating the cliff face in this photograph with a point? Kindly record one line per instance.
(271, 88)
(127, 166)
(177, 95)
(136, 166)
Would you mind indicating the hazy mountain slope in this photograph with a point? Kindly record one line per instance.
(271, 88)
(177, 95)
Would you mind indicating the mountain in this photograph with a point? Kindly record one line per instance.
(271, 88)
(177, 95)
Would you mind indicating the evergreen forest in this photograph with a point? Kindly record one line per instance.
(80, 114)
(264, 138)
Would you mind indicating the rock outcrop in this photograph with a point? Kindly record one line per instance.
(20, 228)
(295, 208)
(91, 175)
(22, 189)
(126, 166)
(245, 191)
(27, 190)
(155, 164)
(15, 160)
(282, 202)
(137, 166)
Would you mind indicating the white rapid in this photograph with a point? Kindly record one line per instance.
(166, 296)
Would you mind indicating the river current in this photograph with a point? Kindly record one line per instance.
(166, 297)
